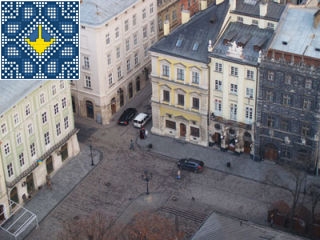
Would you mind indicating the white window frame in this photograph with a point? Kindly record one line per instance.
(234, 71)
(88, 81)
(165, 70)
(64, 102)
(218, 67)
(19, 138)
(218, 106)
(56, 108)
(249, 114)
(250, 74)
(233, 111)
(249, 93)
(58, 129)
(44, 117)
(32, 149)
(46, 138)
(21, 159)
(234, 88)
(218, 85)
(180, 74)
(195, 76)
(110, 78)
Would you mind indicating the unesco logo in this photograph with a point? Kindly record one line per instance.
(40, 40)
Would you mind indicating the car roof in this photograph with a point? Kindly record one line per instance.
(140, 116)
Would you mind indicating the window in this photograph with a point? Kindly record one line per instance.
(269, 96)
(19, 138)
(284, 124)
(250, 74)
(42, 99)
(233, 111)
(151, 8)
(109, 59)
(6, 148)
(135, 39)
(288, 79)
(86, 62)
(3, 128)
(134, 19)
(218, 67)
(56, 109)
(195, 103)
(110, 78)
(10, 169)
(249, 92)
(195, 77)
(160, 24)
(62, 84)
(308, 84)
(286, 100)
(270, 121)
(66, 122)
(16, 118)
(46, 138)
(165, 70)
(180, 99)
(118, 52)
(152, 26)
(218, 105)
(233, 88)
(180, 74)
(145, 34)
(127, 44)
(144, 13)
(28, 110)
(64, 102)
(58, 129)
(136, 59)
(126, 25)
(21, 159)
(44, 117)
(305, 129)
(119, 72)
(174, 15)
(166, 96)
(107, 38)
(234, 71)
(30, 129)
(249, 113)
(240, 19)
(306, 104)
(218, 85)
(170, 124)
(270, 25)
(88, 81)
(32, 149)
(195, 132)
(54, 90)
(145, 50)
(255, 22)
(117, 34)
(270, 76)
(128, 65)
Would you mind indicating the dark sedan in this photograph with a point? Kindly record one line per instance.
(191, 164)
(127, 116)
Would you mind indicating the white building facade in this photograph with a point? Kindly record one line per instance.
(115, 63)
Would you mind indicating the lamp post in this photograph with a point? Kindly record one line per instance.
(147, 176)
(92, 164)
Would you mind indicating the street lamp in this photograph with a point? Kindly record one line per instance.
(147, 176)
(92, 164)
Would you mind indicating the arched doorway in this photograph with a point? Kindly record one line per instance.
(130, 90)
(14, 196)
(247, 142)
(2, 216)
(138, 84)
(30, 183)
(90, 110)
(183, 130)
(216, 138)
(49, 165)
(113, 106)
(270, 152)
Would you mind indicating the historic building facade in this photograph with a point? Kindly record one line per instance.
(37, 135)
(115, 63)
(288, 104)
(180, 78)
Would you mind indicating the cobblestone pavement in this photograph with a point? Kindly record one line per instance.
(115, 186)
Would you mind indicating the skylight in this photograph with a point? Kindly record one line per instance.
(179, 42)
(195, 46)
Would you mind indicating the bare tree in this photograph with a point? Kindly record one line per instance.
(314, 190)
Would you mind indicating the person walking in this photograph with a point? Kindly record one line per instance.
(131, 145)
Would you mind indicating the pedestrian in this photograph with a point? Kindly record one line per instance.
(131, 145)
(48, 179)
(179, 174)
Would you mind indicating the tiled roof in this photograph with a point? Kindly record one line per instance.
(251, 37)
(14, 91)
(97, 12)
(252, 8)
(296, 33)
(190, 40)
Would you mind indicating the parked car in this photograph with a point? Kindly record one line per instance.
(191, 164)
(141, 119)
(127, 116)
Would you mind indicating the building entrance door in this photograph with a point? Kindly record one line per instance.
(182, 130)
(270, 152)
(30, 183)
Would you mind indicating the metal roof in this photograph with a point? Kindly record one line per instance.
(296, 33)
(250, 37)
(252, 8)
(14, 91)
(190, 40)
(97, 12)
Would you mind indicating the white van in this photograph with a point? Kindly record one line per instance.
(141, 119)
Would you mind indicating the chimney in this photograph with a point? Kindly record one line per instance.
(263, 8)
(185, 16)
(166, 28)
(316, 19)
(203, 5)
(233, 4)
